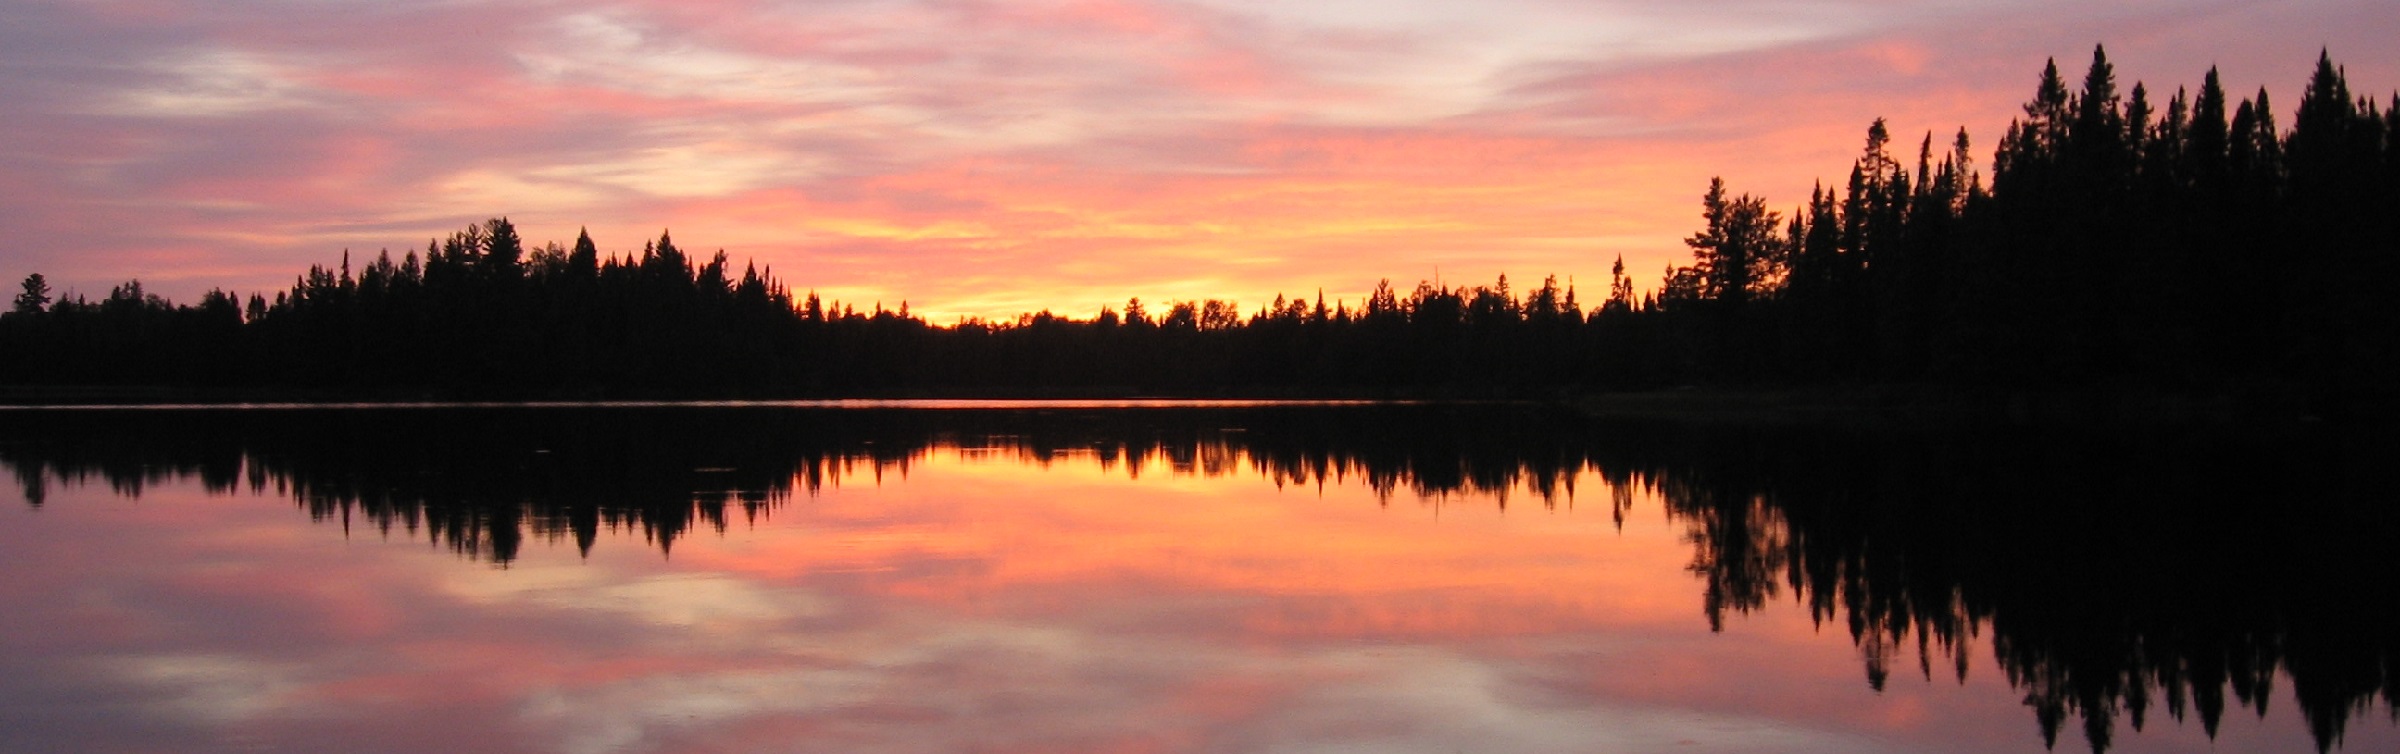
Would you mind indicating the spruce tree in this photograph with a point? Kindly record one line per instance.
(36, 295)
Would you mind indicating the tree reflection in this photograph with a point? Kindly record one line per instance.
(2113, 576)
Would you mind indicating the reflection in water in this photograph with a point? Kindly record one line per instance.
(2112, 577)
(481, 480)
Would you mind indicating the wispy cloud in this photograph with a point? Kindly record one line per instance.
(980, 158)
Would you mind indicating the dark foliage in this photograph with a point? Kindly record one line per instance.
(2192, 248)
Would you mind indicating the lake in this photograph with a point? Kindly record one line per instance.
(1179, 577)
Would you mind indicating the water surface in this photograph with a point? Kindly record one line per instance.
(1254, 577)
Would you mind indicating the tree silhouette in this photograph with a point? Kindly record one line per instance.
(36, 295)
(2117, 247)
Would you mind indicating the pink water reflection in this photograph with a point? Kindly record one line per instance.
(977, 602)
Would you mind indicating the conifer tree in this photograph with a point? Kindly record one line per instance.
(583, 262)
(35, 296)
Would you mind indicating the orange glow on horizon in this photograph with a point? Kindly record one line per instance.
(986, 161)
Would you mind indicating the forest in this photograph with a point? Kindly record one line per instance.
(2119, 243)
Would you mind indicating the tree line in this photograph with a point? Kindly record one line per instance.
(2119, 243)
(2189, 246)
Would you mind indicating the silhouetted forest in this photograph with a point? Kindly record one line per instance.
(2111, 577)
(2125, 240)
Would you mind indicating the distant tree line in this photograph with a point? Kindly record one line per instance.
(2193, 246)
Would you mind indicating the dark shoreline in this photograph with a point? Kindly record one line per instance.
(1908, 405)
(1893, 405)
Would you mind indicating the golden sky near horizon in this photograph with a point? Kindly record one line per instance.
(988, 158)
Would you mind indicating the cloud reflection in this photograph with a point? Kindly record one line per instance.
(1410, 578)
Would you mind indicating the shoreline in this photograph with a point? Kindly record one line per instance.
(1896, 405)
(1906, 405)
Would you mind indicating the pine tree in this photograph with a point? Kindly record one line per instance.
(503, 250)
(2099, 127)
(2049, 115)
(583, 262)
(2211, 137)
(36, 295)
(1737, 257)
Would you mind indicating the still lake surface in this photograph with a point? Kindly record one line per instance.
(1178, 577)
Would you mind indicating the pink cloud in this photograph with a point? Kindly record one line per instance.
(981, 158)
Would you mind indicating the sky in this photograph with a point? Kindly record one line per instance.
(985, 159)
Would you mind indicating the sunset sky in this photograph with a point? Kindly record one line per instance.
(988, 158)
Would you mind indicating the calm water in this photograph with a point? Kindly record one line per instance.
(1251, 578)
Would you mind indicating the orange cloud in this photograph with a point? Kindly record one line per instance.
(983, 159)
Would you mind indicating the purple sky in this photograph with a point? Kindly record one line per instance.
(984, 158)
